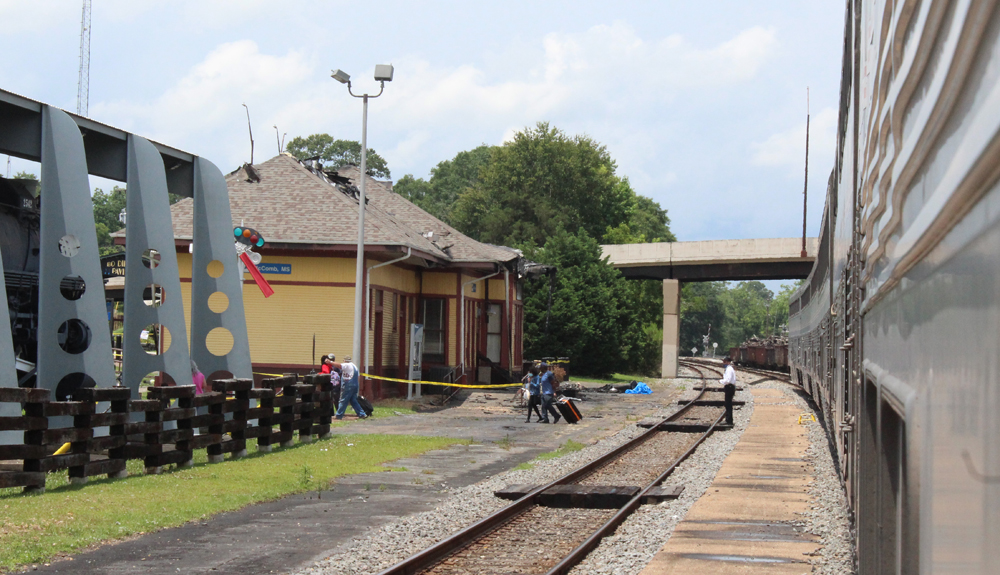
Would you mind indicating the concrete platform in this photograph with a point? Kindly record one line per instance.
(745, 522)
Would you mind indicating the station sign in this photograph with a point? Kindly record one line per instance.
(283, 269)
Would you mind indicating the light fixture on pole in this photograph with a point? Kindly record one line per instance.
(383, 74)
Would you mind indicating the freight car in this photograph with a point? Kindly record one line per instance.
(894, 333)
(769, 354)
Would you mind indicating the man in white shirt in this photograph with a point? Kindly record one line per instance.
(349, 388)
(728, 382)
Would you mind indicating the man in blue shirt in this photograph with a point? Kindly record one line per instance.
(547, 382)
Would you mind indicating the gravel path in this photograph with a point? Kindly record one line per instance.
(829, 516)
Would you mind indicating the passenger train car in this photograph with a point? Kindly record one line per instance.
(896, 332)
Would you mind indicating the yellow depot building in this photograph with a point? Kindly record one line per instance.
(419, 270)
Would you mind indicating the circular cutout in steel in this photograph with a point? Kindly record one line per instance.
(72, 287)
(69, 246)
(154, 295)
(74, 336)
(219, 341)
(151, 258)
(155, 339)
(72, 382)
(215, 268)
(218, 302)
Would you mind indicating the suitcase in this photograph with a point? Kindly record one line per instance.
(568, 410)
(365, 405)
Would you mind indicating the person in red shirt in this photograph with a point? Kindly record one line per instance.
(327, 364)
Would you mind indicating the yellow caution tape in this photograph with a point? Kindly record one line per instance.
(499, 385)
(421, 382)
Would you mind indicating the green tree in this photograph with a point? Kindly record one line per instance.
(107, 210)
(702, 305)
(591, 317)
(747, 309)
(539, 183)
(448, 180)
(337, 153)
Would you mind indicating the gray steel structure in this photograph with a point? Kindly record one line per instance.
(69, 148)
(895, 332)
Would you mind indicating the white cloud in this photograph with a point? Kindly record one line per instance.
(788, 148)
(429, 110)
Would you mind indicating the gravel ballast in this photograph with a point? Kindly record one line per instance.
(635, 542)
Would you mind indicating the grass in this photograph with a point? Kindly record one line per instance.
(565, 449)
(506, 443)
(67, 518)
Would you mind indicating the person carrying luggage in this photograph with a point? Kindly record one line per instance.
(546, 381)
(534, 391)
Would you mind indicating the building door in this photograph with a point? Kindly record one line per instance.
(378, 333)
(494, 336)
(403, 331)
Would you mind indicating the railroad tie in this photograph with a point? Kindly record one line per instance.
(589, 496)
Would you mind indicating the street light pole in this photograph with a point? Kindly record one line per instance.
(383, 73)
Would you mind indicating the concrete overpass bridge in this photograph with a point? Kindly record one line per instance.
(712, 260)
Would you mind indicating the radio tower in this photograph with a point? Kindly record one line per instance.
(83, 83)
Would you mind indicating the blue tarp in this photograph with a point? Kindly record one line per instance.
(641, 388)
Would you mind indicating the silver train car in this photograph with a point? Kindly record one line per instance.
(896, 332)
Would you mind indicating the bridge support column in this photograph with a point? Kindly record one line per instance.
(671, 326)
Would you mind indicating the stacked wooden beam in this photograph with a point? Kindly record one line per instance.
(32, 451)
(100, 429)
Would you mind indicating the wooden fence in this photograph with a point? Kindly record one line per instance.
(105, 427)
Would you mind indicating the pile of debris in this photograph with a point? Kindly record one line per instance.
(619, 388)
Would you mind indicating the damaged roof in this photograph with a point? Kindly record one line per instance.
(294, 203)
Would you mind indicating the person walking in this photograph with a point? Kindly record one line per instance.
(197, 378)
(546, 381)
(534, 398)
(728, 382)
(349, 375)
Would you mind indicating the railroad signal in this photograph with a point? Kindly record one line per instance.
(246, 240)
(248, 237)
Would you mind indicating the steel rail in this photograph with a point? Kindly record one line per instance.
(576, 555)
(428, 557)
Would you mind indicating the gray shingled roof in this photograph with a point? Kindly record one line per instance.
(292, 204)
(460, 247)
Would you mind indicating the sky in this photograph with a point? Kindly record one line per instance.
(701, 104)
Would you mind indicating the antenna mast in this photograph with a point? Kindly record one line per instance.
(83, 83)
(805, 188)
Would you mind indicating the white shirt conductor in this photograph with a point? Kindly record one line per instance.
(729, 376)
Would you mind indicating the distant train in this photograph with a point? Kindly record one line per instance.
(896, 332)
(761, 355)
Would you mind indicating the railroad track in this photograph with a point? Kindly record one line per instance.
(552, 527)
(779, 375)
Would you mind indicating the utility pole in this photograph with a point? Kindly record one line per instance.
(805, 190)
(83, 83)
